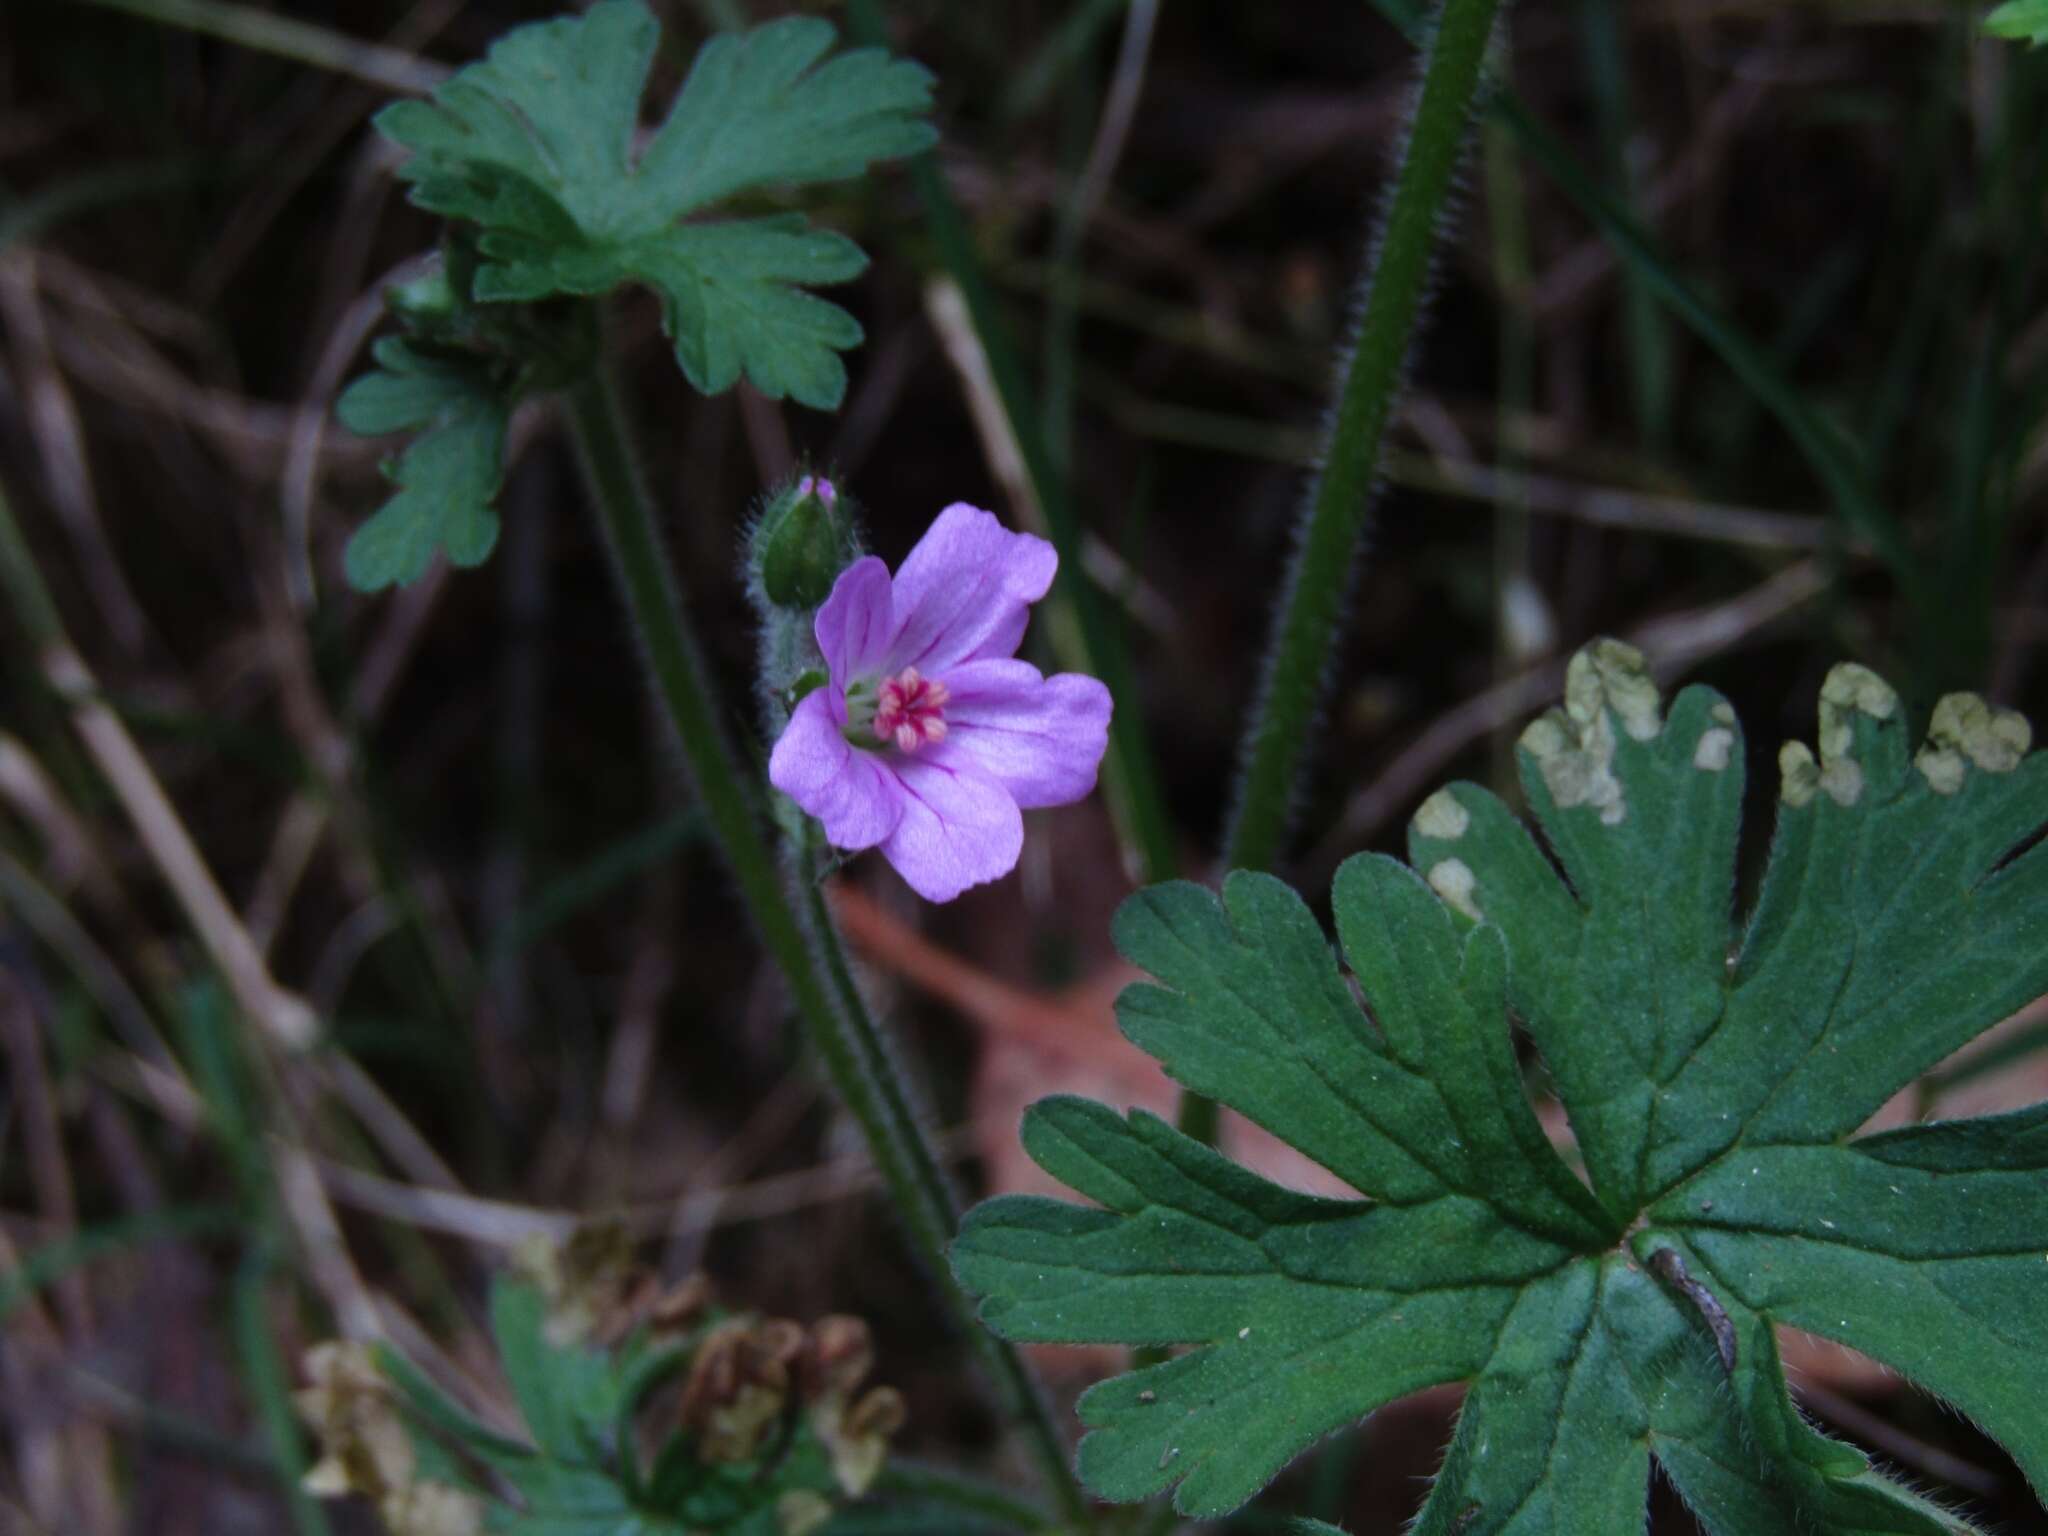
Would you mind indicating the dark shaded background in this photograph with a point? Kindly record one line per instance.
(503, 914)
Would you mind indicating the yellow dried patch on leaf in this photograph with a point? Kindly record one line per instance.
(1798, 774)
(1453, 880)
(1612, 673)
(1715, 745)
(1843, 780)
(1966, 730)
(1440, 816)
(1577, 766)
(1850, 690)
(1545, 736)
(1573, 748)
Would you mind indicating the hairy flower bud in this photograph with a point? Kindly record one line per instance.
(802, 543)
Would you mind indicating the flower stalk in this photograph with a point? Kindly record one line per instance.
(1320, 573)
(832, 1011)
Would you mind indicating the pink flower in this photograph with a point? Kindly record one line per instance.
(930, 737)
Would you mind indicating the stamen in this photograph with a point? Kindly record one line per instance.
(910, 710)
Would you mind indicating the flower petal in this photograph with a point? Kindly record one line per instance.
(962, 592)
(855, 623)
(859, 801)
(1040, 737)
(959, 827)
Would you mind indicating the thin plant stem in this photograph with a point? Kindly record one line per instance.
(833, 1013)
(1320, 573)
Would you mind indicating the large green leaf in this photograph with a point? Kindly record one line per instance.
(536, 146)
(1714, 1078)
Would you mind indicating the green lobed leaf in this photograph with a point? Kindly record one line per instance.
(449, 474)
(536, 146)
(1715, 1078)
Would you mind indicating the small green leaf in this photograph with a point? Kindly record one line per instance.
(535, 145)
(447, 477)
(2020, 19)
(1715, 1077)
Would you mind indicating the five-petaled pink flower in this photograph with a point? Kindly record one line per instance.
(930, 736)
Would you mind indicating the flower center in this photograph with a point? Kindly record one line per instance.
(910, 710)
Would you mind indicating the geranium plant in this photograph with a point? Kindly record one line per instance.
(1609, 1297)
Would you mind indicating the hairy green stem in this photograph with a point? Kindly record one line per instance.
(1320, 572)
(832, 1011)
